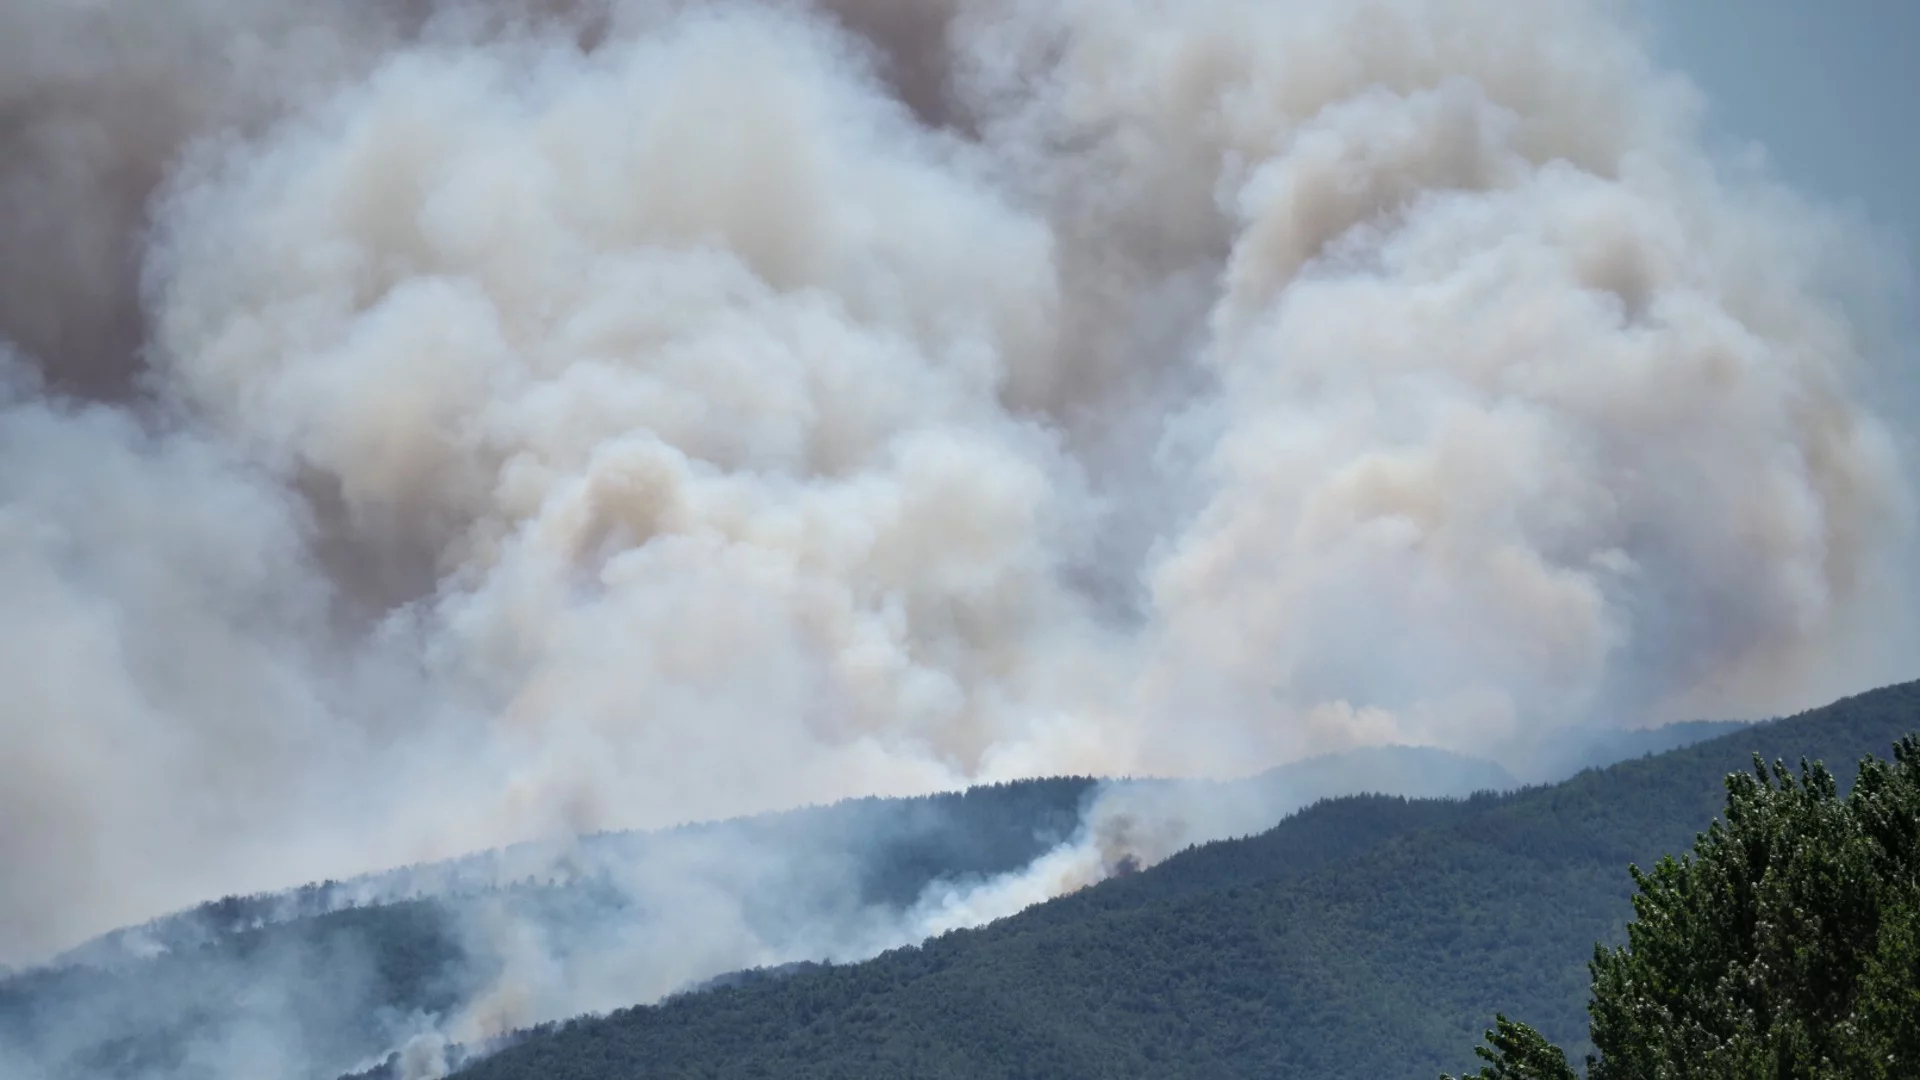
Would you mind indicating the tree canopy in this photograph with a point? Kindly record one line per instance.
(1786, 944)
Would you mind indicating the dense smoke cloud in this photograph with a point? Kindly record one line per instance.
(435, 426)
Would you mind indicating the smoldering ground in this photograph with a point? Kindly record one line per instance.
(435, 425)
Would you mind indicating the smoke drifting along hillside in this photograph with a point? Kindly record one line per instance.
(430, 426)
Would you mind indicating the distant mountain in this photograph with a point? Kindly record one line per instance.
(1416, 772)
(1367, 937)
(1550, 760)
(324, 978)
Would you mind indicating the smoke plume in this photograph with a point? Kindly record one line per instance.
(429, 426)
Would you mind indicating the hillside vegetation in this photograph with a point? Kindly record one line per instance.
(1366, 937)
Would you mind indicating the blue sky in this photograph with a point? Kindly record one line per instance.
(1830, 87)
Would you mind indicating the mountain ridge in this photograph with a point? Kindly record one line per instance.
(1393, 948)
(412, 957)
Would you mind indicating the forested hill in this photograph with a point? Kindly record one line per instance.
(1366, 938)
(333, 975)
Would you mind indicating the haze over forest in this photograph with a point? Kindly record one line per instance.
(431, 425)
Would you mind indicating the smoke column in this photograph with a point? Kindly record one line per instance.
(429, 426)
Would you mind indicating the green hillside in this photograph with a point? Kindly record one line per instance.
(1366, 938)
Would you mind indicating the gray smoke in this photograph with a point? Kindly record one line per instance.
(432, 426)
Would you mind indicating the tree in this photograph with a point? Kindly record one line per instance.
(1517, 1052)
(1786, 945)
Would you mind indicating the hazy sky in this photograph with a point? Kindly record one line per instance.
(1831, 89)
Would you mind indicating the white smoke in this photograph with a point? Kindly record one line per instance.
(574, 416)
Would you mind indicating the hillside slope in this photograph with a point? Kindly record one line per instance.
(334, 974)
(316, 980)
(1365, 938)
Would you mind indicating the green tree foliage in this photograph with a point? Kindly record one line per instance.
(1783, 946)
(1515, 1051)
